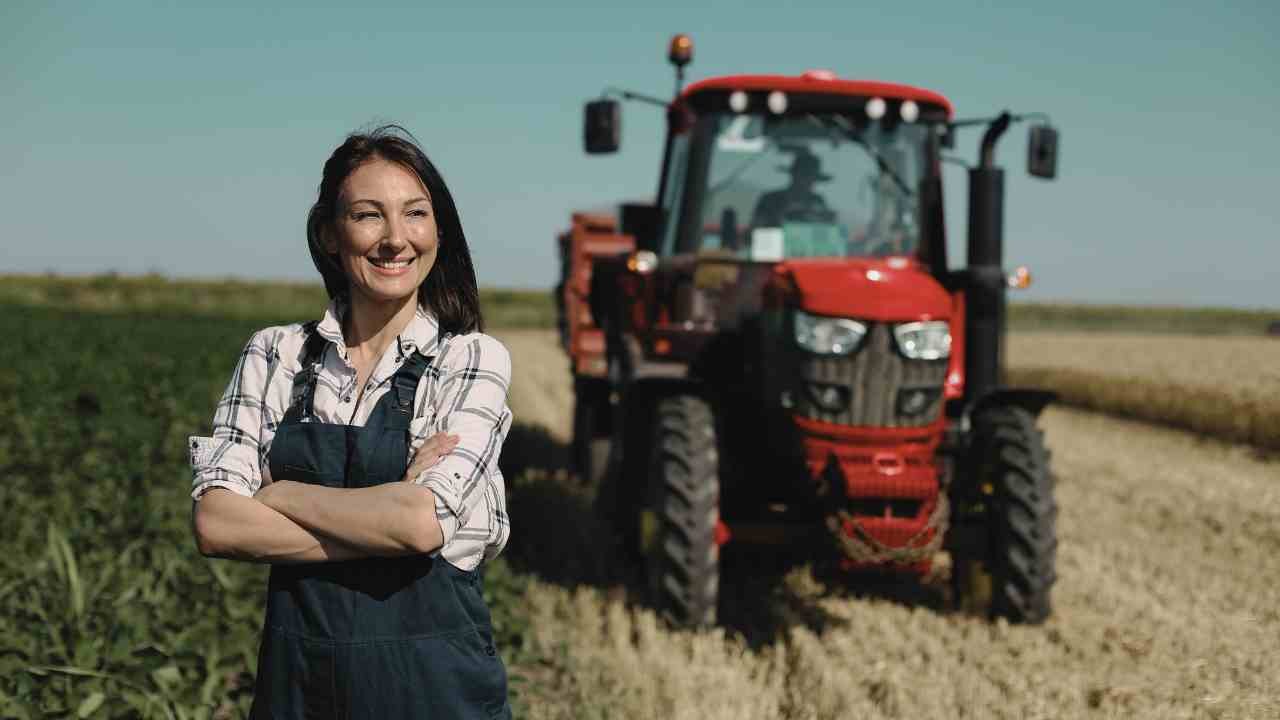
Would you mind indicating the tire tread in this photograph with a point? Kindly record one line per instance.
(688, 488)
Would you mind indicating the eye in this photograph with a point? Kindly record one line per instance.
(364, 215)
(419, 212)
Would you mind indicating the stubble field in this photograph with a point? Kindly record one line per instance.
(1224, 386)
(1167, 604)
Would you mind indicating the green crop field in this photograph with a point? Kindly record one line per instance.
(105, 605)
(105, 600)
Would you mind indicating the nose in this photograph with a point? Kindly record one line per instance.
(396, 236)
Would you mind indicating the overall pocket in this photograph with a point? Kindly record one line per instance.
(309, 453)
(296, 678)
(454, 675)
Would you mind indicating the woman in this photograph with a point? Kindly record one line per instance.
(358, 455)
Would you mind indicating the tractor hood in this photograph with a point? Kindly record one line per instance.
(894, 289)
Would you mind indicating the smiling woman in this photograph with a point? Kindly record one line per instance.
(358, 455)
(351, 215)
(384, 232)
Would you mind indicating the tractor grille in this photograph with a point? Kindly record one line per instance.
(865, 385)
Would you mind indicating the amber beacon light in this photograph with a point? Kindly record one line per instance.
(681, 51)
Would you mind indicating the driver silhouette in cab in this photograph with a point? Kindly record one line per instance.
(797, 202)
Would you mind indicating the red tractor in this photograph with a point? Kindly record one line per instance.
(777, 349)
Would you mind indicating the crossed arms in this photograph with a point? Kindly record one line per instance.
(293, 522)
(296, 522)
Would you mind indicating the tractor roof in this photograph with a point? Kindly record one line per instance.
(819, 81)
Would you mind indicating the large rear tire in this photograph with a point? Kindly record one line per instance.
(1011, 573)
(678, 523)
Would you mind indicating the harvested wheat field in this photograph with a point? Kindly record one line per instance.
(1243, 365)
(1228, 387)
(1167, 606)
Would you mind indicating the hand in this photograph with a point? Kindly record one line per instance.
(430, 453)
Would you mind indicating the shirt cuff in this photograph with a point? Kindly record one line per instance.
(221, 463)
(448, 521)
(235, 485)
(450, 510)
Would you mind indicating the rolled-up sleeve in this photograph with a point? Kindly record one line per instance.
(472, 404)
(228, 458)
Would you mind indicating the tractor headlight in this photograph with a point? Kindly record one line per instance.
(827, 335)
(923, 340)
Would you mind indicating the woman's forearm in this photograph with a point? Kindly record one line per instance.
(235, 527)
(396, 518)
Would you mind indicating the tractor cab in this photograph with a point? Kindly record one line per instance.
(807, 185)
(774, 168)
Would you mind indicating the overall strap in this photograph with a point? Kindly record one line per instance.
(404, 385)
(302, 397)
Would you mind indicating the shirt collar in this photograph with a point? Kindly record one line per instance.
(422, 332)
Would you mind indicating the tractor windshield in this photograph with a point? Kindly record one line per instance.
(802, 185)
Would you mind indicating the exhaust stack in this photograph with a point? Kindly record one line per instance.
(986, 285)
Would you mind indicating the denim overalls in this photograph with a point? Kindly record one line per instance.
(378, 638)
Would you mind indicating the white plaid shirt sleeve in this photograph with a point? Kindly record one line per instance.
(471, 402)
(229, 458)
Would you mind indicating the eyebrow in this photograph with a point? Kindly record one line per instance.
(411, 201)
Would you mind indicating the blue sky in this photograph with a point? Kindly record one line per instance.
(144, 137)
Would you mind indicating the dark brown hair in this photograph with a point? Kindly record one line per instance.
(449, 292)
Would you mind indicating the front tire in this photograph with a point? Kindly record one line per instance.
(1010, 573)
(678, 524)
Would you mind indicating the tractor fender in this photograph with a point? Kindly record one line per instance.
(1033, 400)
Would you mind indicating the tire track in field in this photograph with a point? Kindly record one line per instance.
(1167, 606)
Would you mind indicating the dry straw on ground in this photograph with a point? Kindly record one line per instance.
(1166, 606)
(1226, 387)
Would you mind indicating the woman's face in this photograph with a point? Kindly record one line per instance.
(385, 231)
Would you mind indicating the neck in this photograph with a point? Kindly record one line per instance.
(370, 325)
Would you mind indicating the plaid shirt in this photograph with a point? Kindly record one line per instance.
(464, 392)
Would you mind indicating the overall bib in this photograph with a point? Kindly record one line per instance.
(378, 638)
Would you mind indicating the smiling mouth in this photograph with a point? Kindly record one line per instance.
(391, 264)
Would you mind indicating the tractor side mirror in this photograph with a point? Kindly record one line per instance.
(1042, 152)
(602, 126)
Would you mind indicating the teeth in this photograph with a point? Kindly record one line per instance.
(391, 264)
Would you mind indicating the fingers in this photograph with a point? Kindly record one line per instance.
(437, 445)
(440, 443)
(431, 451)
